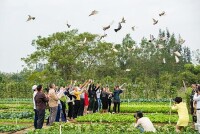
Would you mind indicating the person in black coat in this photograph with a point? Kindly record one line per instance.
(93, 104)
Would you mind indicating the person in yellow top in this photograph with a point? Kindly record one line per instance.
(77, 93)
(182, 113)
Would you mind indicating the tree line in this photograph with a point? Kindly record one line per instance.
(65, 56)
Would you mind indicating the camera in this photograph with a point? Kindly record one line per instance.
(46, 89)
(135, 115)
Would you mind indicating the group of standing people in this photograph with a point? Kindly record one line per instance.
(90, 98)
(81, 100)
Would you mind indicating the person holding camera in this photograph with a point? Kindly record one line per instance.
(144, 124)
(197, 99)
(182, 113)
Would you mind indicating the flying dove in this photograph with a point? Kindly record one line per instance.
(163, 38)
(102, 36)
(177, 53)
(107, 27)
(133, 28)
(123, 20)
(127, 70)
(83, 42)
(177, 59)
(151, 38)
(119, 27)
(114, 49)
(164, 61)
(161, 14)
(181, 41)
(68, 25)
(93, 12)
(30, 18)
(155, 21)
(130, 49)
(160, 46)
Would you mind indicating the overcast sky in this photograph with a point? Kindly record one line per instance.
(182, 17)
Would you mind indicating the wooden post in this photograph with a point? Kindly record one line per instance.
(60, 129)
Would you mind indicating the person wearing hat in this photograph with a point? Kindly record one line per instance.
(34, 88)
(183, 115)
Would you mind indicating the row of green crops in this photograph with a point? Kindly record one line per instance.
(98, 128)
(154, 117)
(145, 100)
(15, 100)
(16, 106)
(124, 108)
(14, 115)
(147, 108)
(16, 121)
(11, 128)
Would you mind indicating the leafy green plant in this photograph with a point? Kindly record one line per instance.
(128, 118)
(147, 108)
(11, 128)
(99, 128)
(14, 115)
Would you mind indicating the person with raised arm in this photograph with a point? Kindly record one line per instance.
(92, 97)
(77, 100)
(116, 97)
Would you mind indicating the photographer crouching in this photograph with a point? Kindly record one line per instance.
(143, 123)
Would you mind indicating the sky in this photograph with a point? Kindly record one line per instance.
(182, 17)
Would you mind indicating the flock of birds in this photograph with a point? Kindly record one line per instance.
(152, 38)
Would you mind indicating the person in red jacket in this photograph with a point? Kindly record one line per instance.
(86, 102)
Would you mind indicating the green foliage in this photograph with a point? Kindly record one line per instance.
(139, 100)
(11, 128)
(128, 118)
(63, 56)
(145, 108)
(18, 120)
(16, 101)
(98, 128)
(14, 115)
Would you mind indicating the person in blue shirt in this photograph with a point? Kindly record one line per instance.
(116, 98)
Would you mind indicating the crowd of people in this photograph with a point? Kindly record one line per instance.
(81, 100)
(89, 98)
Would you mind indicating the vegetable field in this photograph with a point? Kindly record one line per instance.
(17, 115)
